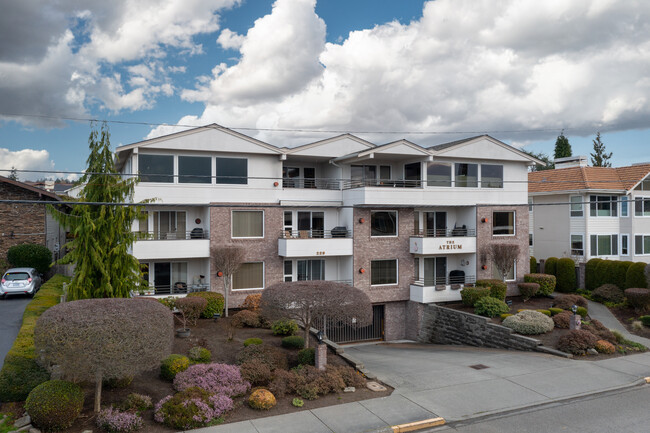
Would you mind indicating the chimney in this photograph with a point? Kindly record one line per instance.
(49, 185)
(571, 161)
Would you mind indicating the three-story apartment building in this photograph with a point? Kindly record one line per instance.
(404, 223)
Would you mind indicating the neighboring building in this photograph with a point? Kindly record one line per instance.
(22, 223)
(603, 212)
(404, 223)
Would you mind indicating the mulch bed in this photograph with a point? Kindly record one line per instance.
(213, 335)
(626, 316)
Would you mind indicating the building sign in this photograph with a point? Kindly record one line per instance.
(450, 245)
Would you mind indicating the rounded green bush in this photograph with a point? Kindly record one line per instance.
(582, 311)
(565, 302)
(200, 354)
(30, 256)
(590, 274)
(215, 303)
(255, 341)
(639, 298)
(469, 295)
(293, 342)
(565, 273)
(550, 266)
(546, 283)
(284, 327)
(533, 265)
(55, 404)
(605, 272)
(635, 276)
(503, 316)
(307, 356)
(645, 320)
(529, 322)
(528, 290)
(555, 311)
(619, 271)
(545, 312)
(490, 307)
(498, 288)
(608, 293)
(173, 365)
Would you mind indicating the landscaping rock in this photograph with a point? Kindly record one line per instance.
(24, 428)
(374, 386)
(22, 422)
(349, 389)
(592, 352)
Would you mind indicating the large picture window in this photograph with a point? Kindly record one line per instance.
(383, 223)
(247, 224)
(156, 168)
(438, 174)
(642, 207)
(412, 174)
(603, 205)
(194, 169)
(641, 244)
(503, 223)
(232, 171)
(383, 272)
(250, 276)
(466, 175)
(491, 176)
(603, 245)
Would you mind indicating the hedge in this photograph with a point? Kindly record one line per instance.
(20, 373)
(566, 275)
(498, 288)
(30, 256)
(605, 272)
(590, 274)
(635, 276)
(619, 272)
(546, 283)
(550, 266)
(533, 265)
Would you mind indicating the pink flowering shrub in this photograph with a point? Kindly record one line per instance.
(115, 421)
(215, 378)
(192, 408)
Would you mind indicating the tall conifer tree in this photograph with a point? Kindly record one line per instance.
(600, 158)
(562, 147)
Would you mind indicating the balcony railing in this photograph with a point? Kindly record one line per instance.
(336, 184)
(445, 233)
(298, 182)
(176, 289)
(385, 183)
(176, 235)
(339, 232)
(445, 281)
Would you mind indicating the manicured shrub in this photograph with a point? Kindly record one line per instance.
(297, 402)
(498, 288)
(604, 272)
(550, 266)
(261, 399)
(528, 290)
(529, 322)
(214, 305)
(284, 327)
(590, 274)
(250, 341)
(565, 302)
(503, 316)
(169, 302)
(635, 276)
(200, 354)
(490, 307)
(309, 382)
(191, 309)
(582, 312)
(546, 283)
(599, 330)
(545, 312)
(252, 302)
(603, 346)
(563, 320)
(30, 256)
(248, 318)
(350, 376)
(192, 408)
(256, 372)
(282, 383)
(647, 274)
(307, 356)
(619, 273)
(274, 357)
(215, 378)
(566, 275)
(136, 403)
(533, 265)
(55, 404)
(555, 311)
(293, 342)
(172, 365)
(116, 421)
(645, 320)
(469, 295)
(577, 341)
(638, 298)
(608, 293)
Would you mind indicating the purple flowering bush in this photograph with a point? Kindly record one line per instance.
(115, 421)
(194, 407)
(215, 378)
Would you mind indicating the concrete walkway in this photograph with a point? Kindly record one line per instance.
(457, 383)
(602, 313)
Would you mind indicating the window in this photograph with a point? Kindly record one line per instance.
(416, 268)
(644, 185)
(156, 168)
(247, 224)
(250, 276)
(577, 245)
(288, 221)
(232, 171)
(503, 223)
(383, 272)
(288, 270)
(412, 174)
(625, 245)
(530, 239)
(169, 225)
(641, 244)
(530, 205)
(194, 169)
(383, 223)
(642, 207)
(290, 177)
(438, 174)
(384, 172)
(576, 206)
(311, 270)
(466, 175)
(604, 245)
(367, 174)
(602, 205)
(624, 207)
(491, 176)
(511, 274)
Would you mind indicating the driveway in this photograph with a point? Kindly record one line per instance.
(11, 317)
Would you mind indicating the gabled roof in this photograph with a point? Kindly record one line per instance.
(443, 146)
(441, 149)
(620, 179)
(23, 185)
(327, 141)
(393, 144)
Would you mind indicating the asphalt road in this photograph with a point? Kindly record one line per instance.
(11, 317)
(622, 411)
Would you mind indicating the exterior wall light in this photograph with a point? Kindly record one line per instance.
(362, 271)
(484, 267)
(484, 220)
(197, 221)
(276, 183)
(219, 274)
(362, 220)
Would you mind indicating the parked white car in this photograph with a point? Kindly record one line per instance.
(18, 281)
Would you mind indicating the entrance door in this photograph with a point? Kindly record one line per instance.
(435, 271)
(310, 270)
(313, 222)
(162, 276)
(436, 223)
(310, 177)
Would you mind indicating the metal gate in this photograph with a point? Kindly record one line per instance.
(347, 331)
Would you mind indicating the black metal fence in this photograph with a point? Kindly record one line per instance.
(348, 331)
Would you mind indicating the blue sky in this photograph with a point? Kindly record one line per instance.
(519, 70)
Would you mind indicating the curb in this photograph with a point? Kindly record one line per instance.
(418, 425)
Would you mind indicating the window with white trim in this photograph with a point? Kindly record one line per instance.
(156, 168)
(641, 207)
(383, 223)
(288, 270)
(247, 224)
(603, 205)
(604, 245)
(644, 185)
(624, 207)
(383, 272)
(641, 245)
(625, 245)
(530, 239)
(250, 276)
(194, 169)
(503, 223)
(577, 245)
(576, 206)
(232, 171)
(511, 275)
(491, 176)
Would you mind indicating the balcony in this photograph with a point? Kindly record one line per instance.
(310, 243)
(444, 289)
(172, 245)
(443, 241)
(178, 289)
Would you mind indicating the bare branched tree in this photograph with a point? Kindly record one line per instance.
(96, 339)
(308, 301)
(503, 255)
(227, 259)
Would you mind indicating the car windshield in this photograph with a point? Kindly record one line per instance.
(13, 276)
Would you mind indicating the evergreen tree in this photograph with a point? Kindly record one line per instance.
(101, 234)
(13, 175)
(600, 158)
(543, 157)
(562, 147)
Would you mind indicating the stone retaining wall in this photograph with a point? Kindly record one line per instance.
(446, 326)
